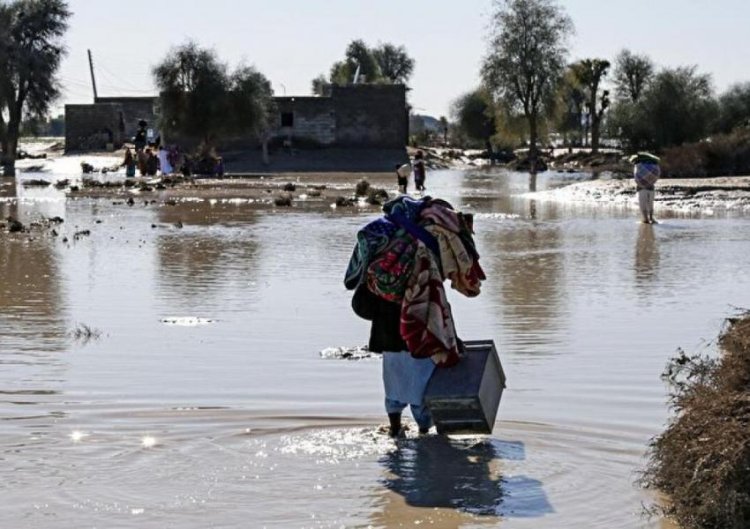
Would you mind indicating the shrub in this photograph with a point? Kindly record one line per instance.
(722, 155)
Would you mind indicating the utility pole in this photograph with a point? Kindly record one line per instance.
(93, 79)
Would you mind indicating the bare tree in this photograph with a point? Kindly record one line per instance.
(632, 74)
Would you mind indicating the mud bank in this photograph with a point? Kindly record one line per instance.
(703, 195)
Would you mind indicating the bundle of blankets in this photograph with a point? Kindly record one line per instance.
(404, 257)
(646, 170)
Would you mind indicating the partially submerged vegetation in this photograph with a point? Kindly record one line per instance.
(702, 460)
(84, 333)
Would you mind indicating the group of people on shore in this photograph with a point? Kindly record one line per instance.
(152, 158)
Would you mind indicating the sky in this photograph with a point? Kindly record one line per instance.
(293, 41)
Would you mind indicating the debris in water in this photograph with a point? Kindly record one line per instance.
(284, 200)
(343, 202)
(186, 321)
(347, 353)
(36, 183)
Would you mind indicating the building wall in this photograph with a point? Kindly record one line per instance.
(134, 109)
(359, 116)
(314, 119)
(91, 127)
(371, 115)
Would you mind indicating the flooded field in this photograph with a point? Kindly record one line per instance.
(165, 369)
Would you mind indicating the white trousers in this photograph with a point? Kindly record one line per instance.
(646, 202)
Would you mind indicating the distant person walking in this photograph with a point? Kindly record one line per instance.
(419, 171)
(646, 172)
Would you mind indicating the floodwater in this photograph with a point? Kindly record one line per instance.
(196, 395)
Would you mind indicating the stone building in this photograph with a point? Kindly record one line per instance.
(357, 116)
(108, 120)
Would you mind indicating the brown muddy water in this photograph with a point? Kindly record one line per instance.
(200, 398)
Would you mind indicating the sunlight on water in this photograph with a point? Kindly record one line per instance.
(78, 436)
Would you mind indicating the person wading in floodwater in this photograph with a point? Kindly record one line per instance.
(402, 177)
(397, 271)
(646, 172)
(420, 172)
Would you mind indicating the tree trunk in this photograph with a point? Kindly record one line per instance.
(490, 151)
(10, 145)
(595, 128)
(586, 125)
(533, 138)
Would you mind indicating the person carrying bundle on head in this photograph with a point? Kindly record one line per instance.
(646, 172)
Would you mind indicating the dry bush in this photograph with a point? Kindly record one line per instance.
(723, 155)
(702, 460)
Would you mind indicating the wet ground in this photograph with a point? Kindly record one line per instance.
(165, 370)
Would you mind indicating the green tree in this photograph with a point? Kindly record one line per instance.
(679, 105)
(526, 58)
(734, 108)
(320, 86)
(474, 115)
(444, 127)
(631, 75)
(590, 73)
(676, 107)
(358, 55)
(387, 63)
(201, 99)
(571, 108)
(250, 101)
(394, 62)
(30, 54)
